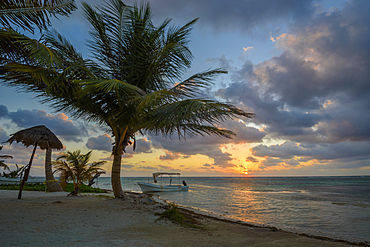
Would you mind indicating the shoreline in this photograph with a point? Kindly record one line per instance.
(134, 221)
(301, 232)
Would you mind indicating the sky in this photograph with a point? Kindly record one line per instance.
(301, 66)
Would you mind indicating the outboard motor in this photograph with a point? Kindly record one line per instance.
(184, 183)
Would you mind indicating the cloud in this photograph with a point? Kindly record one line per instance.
(207, 167)
(248, 48)
(322, 151)
(127, 155)
(170, 156)
(3, 136)
(278, 37)
(59, 123)
(127, 167)
(248, 16)
(142, 146)
(209, 145)
(347, 154)
(192, 147)
(316, 90)
(147, 168)
(244, 134)
(102, 142)
(222, 61)
(167, 168)
(3, 111)
(251, 159)
(108, 158)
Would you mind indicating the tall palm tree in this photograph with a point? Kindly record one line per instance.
(26, 13)
(74, 166)
(134, 85)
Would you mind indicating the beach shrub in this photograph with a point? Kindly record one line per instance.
(173, 214)
(176, 216)
(84, 189)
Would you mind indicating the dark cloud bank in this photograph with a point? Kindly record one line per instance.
(59, 123)
(316, 94)
(249, 15)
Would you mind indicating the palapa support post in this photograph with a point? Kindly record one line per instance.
(27, 172)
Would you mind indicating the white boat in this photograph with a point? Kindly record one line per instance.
(154, 187)
(5, 180)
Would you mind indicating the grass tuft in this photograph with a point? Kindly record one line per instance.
(176, 216)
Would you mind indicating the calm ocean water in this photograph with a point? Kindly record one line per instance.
(330, 206)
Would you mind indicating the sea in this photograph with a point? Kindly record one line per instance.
(334, 207)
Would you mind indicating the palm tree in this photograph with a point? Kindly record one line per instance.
(74, 166)
(26, 13)
(134, 84)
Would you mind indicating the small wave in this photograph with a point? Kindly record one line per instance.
(350, 204)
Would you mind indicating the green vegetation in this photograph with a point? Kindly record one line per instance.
(73, 166)
(176, 216)
(42, 187)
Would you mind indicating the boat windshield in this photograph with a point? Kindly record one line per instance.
(157, 174)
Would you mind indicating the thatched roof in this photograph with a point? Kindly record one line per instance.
(44, 137)
(6, 157)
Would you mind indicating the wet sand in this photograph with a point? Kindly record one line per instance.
(55, 219)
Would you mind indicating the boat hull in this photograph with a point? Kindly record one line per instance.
(147, 187)
(4, 180)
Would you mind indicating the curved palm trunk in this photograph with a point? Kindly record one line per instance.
(116, 172)
(52, 184)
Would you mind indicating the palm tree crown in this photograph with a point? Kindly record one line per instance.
(133, 85)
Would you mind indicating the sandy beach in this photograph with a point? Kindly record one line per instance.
(55, 219)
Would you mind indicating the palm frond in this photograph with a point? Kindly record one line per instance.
(183, 117)
(121, 88)
(26, 77)
(26, 13)
(3, 165)
(192, 86)
(135, 83)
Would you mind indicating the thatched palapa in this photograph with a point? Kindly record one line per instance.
(43, 137)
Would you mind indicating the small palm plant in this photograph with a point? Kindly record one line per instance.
(74, 166)
(2, 164)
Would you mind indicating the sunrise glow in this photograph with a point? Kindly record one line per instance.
(301, 126)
